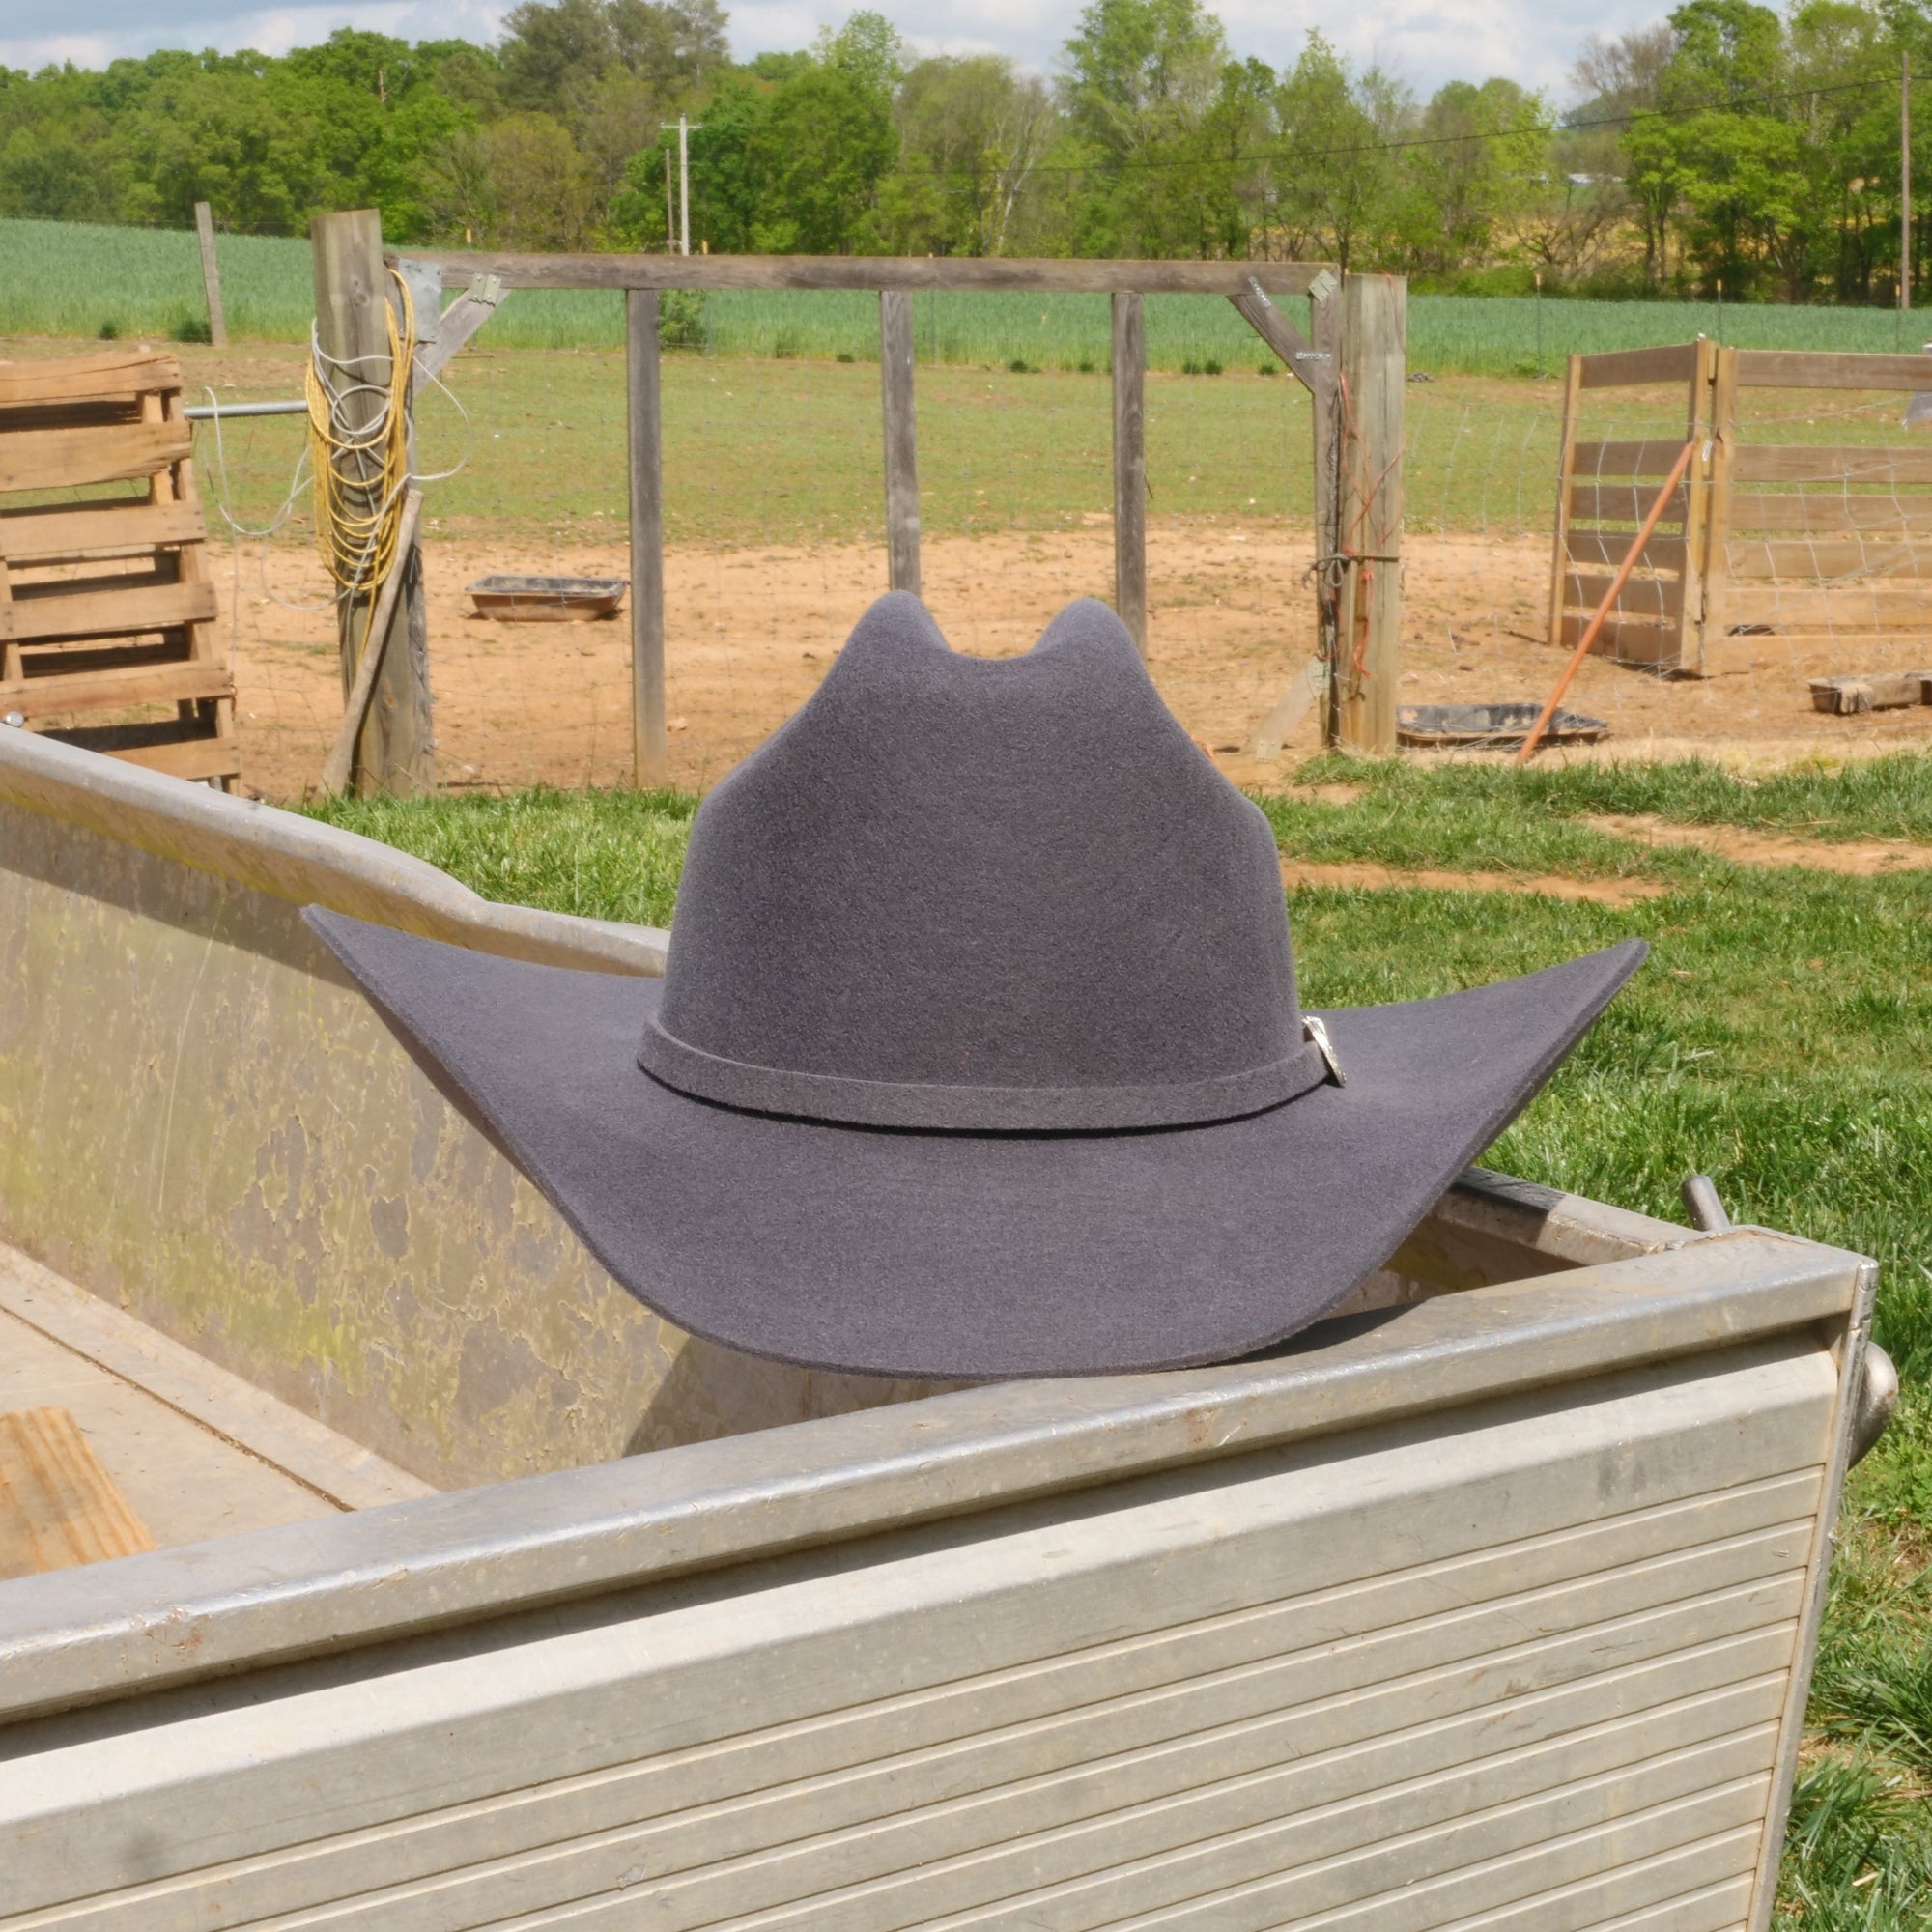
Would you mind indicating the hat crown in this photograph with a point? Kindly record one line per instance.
(983, 894)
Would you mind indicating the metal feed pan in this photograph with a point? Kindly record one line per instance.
(1485, 1607)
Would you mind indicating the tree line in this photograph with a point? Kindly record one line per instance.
(1728, 144)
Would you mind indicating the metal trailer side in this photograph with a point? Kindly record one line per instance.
(1491, 1607)
(1495, 1610)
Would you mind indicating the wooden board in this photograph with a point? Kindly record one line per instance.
(1623, 503)
(58, 1506)
(1628, 639)
(72, 533)
(85, 609)
(1807, 369)
(56, 459)
(118, 374)
(1791, 605)
(111, 688)
(1627, 368)
(1591, 460)
(1828, 556)
(1825, 463)
(1829, 511)
(1611, 546)
(1082, 276)
(204, 756)
(1657, 597)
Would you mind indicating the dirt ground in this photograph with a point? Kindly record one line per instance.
(751, 632)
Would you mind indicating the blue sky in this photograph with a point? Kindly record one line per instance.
(1426, 41)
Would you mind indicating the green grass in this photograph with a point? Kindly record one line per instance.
(761, 450)
(63, 278)
(1781, 1040)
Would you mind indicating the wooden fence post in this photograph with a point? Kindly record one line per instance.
(651, 742)
(395, 750)
(1324, 331)
(1374, 374)
(1131, 468)
(1714, 619)
(210, 275)
(902, 439)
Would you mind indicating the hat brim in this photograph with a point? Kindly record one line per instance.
(963, 1254)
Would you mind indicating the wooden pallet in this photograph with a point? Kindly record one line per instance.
(108, 632)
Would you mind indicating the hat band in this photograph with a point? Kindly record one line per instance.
(908, 1103)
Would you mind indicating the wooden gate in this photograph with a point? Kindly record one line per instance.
(1806, 539)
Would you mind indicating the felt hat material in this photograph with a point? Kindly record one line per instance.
(979, 1051)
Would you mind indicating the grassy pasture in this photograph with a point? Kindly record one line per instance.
(761, 450)
(1780, 1038)
(63, 278)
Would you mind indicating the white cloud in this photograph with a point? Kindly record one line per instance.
(1427, 42)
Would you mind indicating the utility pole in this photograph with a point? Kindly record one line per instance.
(685, 130)
(1905, 180)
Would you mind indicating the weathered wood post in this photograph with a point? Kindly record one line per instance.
(1131, 468)
(1374, 361)
(210, 275)
(650, 741)
(902, 439)
(395, 750)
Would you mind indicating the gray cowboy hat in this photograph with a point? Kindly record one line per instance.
(979, 1052)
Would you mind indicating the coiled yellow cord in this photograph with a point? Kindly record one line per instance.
(369, 465)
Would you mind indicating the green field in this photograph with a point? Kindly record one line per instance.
(61, 278)
(763, 452)
(1780, 1038)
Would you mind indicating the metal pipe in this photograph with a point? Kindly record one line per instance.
(208, 412)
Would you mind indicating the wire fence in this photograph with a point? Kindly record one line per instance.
(774, 545)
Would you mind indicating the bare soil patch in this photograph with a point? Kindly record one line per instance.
(1861, 858)
(1366, 876)
(752, 631)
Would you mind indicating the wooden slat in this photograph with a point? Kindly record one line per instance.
(1625, 459)
(1089, 276)
(1129, 377)
(1808, 369)
(1628, 639)
(209, 758)
(58, 1506)
(902, 439)
(64, 458)
(64, 379)
(1565, 463)
(92, 611)
(1856, 606)
(1802, 559)
(72, 533)
(100, 690)
(1610, 547)
(1623, 503)
(1658, 597)
(1829, 511)
(1626, 368)
(1824, 463)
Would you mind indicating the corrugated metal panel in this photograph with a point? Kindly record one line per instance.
(1525, 1659)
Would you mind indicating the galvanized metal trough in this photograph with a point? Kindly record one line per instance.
(1489, 1603)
